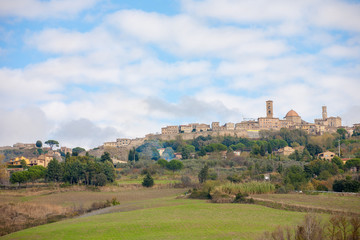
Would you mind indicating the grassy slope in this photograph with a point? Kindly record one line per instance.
(183, 219)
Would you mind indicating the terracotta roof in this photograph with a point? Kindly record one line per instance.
(292, 113)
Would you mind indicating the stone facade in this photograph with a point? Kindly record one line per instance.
(185, 128)
(123, 141)
(249, 129)
(327, 155)
(170, 130)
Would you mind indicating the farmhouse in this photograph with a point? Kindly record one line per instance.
(326, 155)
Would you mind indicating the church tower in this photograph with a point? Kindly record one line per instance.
(269, 109)
(324, 113)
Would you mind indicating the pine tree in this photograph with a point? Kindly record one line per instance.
(204, 174)
(53, 172)
(148, 181)
(262, 150)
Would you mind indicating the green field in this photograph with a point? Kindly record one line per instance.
(139, 181)
(157, 214)
(168, 218)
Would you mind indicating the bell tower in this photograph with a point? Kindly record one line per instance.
(324, 113)
(269, 109)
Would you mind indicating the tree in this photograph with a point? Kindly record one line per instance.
(38, 144)
(133, 155)
(23, 163)
(106, 157)
(19, 177)
(162, 162)
(342, 132)
(109, 171)
(168, 154)
(346, 185)
(353, 163)
(36, 172)
(3, 172)
(262, 150)
(52, 143)
(100, 179)
(148, 181)
(77, 150)
(269, 148)
(187, 150)
(338, 162)
(174, 165)
(313, 149)
(295, 175)
(203, 174)
(73, 171)
(306, 155)
(53, 172)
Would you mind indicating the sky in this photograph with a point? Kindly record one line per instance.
(89, 71)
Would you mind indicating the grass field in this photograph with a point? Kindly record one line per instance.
(139, 181)
(156, 214)
(179, 219)
(332, 201)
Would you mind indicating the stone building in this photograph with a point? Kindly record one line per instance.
(293, 117)
(66, 150)
(201, 127)
(170, 130)
(123, 142)
(326, 155)
(332, 122)
(185, 128)
(215, 126)
(42, 160)
(252, 124)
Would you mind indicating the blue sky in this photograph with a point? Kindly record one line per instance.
(88, 71)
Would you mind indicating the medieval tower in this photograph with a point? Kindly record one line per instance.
(324, 113)
(269, 109)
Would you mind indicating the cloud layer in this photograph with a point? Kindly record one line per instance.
(132, 71)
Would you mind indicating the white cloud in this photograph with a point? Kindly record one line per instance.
(84, 133)
(344, 52)
(36, 9)
(184, 36)
(289, 15)
(135, 71)
(23, 125)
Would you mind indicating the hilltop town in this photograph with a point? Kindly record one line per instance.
(251, 129)
(247, 129)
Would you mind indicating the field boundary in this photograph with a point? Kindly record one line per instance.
(299, 208)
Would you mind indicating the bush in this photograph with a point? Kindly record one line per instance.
(186, 181)
(322, 187)
(162, 162)
(200, 194)
(148, 181)
(100, 179)
(346, 185)
(246, 188)
(234, 178)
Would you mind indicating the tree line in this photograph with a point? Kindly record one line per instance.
(74, 170)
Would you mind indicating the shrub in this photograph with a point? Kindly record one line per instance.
(234, 178)
(162, 162)
(100, 179)
(322, 187)
(148, 181)
(186, 181)
(200, 194)
(346, 185)
(246, 188)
